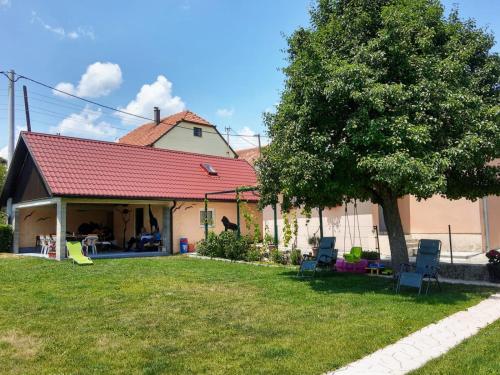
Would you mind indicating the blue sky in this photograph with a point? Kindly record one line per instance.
(218, 58)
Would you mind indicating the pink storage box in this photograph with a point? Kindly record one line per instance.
(360, 267)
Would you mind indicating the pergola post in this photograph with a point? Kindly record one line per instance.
(15, 229)
(320, 214)
(61, 229)
(165, 230)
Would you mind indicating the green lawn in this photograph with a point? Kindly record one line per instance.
(478, 355)
(175, 315)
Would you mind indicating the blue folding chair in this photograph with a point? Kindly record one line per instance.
(326, 255)
(426, 267)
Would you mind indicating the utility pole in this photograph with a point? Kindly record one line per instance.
(11, 117)
(260, 147)
(27, 108)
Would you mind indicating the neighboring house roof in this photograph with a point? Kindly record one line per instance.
(148, 134)
(249, 154)
(88, 168)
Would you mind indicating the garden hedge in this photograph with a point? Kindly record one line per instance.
(5, 237)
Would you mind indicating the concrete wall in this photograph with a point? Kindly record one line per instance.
(182, 139)
(35, 221)
(186, 219)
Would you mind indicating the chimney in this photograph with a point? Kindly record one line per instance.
(157, 115)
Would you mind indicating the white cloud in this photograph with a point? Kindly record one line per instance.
(157, 94)
(79, 32)
(99, 80)
(225, 112)
(185, 5)
(246, 139)
(85, 124)
(5, 3)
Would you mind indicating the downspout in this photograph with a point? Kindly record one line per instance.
(486, 223)
(172, 228)
(206, 216)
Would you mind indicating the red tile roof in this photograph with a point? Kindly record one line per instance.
(82, 167)
(249, 154)
(147, 134)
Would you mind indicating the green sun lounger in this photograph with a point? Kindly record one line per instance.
(355, 255)
(75, 253)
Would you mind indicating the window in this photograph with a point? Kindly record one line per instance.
(210, 217)
(209, 168)
(197, 132)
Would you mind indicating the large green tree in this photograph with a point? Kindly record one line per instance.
(384, 98)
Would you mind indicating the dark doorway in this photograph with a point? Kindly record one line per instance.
(139, 220)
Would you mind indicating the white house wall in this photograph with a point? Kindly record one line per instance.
(181, 138)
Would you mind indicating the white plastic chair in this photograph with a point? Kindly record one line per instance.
(43, 244)
(90, 243)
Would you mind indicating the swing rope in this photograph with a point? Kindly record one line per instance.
(356, 218)
(347, 224)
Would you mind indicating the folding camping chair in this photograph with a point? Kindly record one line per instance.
(426, 267)
(326, 255)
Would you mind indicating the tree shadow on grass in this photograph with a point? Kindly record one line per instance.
(337, 282)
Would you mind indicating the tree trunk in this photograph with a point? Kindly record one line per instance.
(397, 242)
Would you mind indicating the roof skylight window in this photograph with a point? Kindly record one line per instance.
(209, 168)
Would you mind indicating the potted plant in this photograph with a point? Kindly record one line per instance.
(314, 242)
(370, 256)
(493, 265)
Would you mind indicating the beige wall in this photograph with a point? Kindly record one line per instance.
(35, 221)
(434, 214)
(494, 221)
(186, 219)
(425, 219)
(334, 224)
(182, 139)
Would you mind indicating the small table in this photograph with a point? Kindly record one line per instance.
(375, 268)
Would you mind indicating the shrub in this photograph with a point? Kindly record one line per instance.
(295, 257)
(5, 237)
(254, 254)
(235, 248)
(225, 245)
(211, 247)
(277, 256)
(370, 255)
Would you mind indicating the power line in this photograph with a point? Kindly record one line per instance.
(85, 100)
(115, 109)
